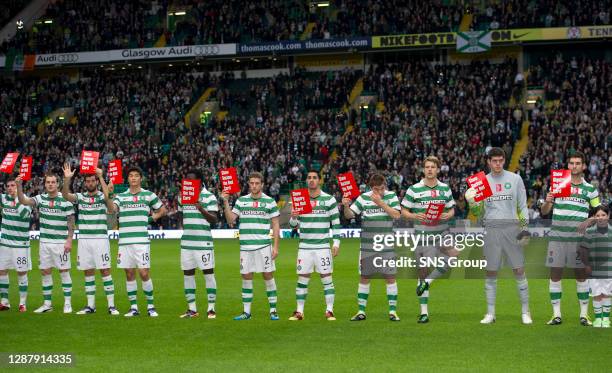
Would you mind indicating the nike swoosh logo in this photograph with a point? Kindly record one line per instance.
(515, 36)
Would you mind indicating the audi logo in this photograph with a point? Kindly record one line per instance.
(67, 58)
(206, 50)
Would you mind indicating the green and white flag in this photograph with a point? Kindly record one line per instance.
(473, 41)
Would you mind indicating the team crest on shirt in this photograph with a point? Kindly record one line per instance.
(313, 203)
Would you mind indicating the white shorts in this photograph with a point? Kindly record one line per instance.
(314, 260)
(134, 256)
(257, 261)
(93, 254)
(201, 259)
(52, 255)
(600, 286)
(563, 255)
(15, 258)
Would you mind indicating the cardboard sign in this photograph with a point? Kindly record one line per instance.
(561, 183)
(434, 213)
(25, 169)
(190, 191)
(115, 172)
(300, 201)
(229, 180)
(481, 184)
(89, 161)
(348, 186)
(8, 163)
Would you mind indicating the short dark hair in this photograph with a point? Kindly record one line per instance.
(496, 152)
(256, 175)
(603, 208)
(577, 154)
(90, 175)
(50, 174)
(134, 169)
(376, 179)
(313, 171)
(10, 178)
(196, 173)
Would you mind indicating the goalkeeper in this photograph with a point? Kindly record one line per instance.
(504, 217)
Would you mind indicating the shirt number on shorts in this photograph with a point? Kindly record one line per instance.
(145, 257)
(205, 258)
(266, 260)
(105, 257)
(325, 261)
(64, 257)
(22, 260)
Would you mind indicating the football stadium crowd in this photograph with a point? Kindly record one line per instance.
(113, 24)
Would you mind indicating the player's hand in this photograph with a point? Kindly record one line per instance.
(225, 196)
(376, 199)
(582, 227)
(588, 270)
(550, 198)
(421, 216)
(335, 251)
(274, 252)
(346, 202)
(68, 246)
(68, 171)
(470, 195)
(99, 172)
(111, 187)
(523, 238)
(18, 180)
(445, 216)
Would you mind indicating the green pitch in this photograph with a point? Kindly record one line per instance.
(453, 339)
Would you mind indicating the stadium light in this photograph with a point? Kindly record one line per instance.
(323, 4)
(180, 13)
(48, 21)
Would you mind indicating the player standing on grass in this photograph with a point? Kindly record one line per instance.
(505, 218)
(197, 247)
(414, 207)
(93, 247)
(570, 214)
(56, 231)
(134, 206)
(257, 213)
(14, 245)
(379, 208)
(314, 253)
(596, 255)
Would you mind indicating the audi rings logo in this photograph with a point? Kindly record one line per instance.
(67, 58)
(206, 50)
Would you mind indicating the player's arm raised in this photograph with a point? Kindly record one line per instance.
(230, 216)
(294, 220)
(393, 213)
(68, 174)
(548, 204)
(23, 199)
(106, 190)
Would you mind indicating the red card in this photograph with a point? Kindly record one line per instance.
(229, 180)
(348, 186)
(561, 183)
(115, 172)
(25, 169)
(434, 213)
(300, 200)
(190, 191)
(8, 163)
(89, 161)
(481, 184)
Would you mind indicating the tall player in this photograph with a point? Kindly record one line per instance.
(379, 208)
(505, 219)
(597, 258)
(93, 246)
(314, 253)
(414, 207)
(570, 214)
(257, 213)
(56, 231)
(197, 248)
(14, 245)
(134, 206)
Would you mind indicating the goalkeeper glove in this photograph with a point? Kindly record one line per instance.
(470, 194)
